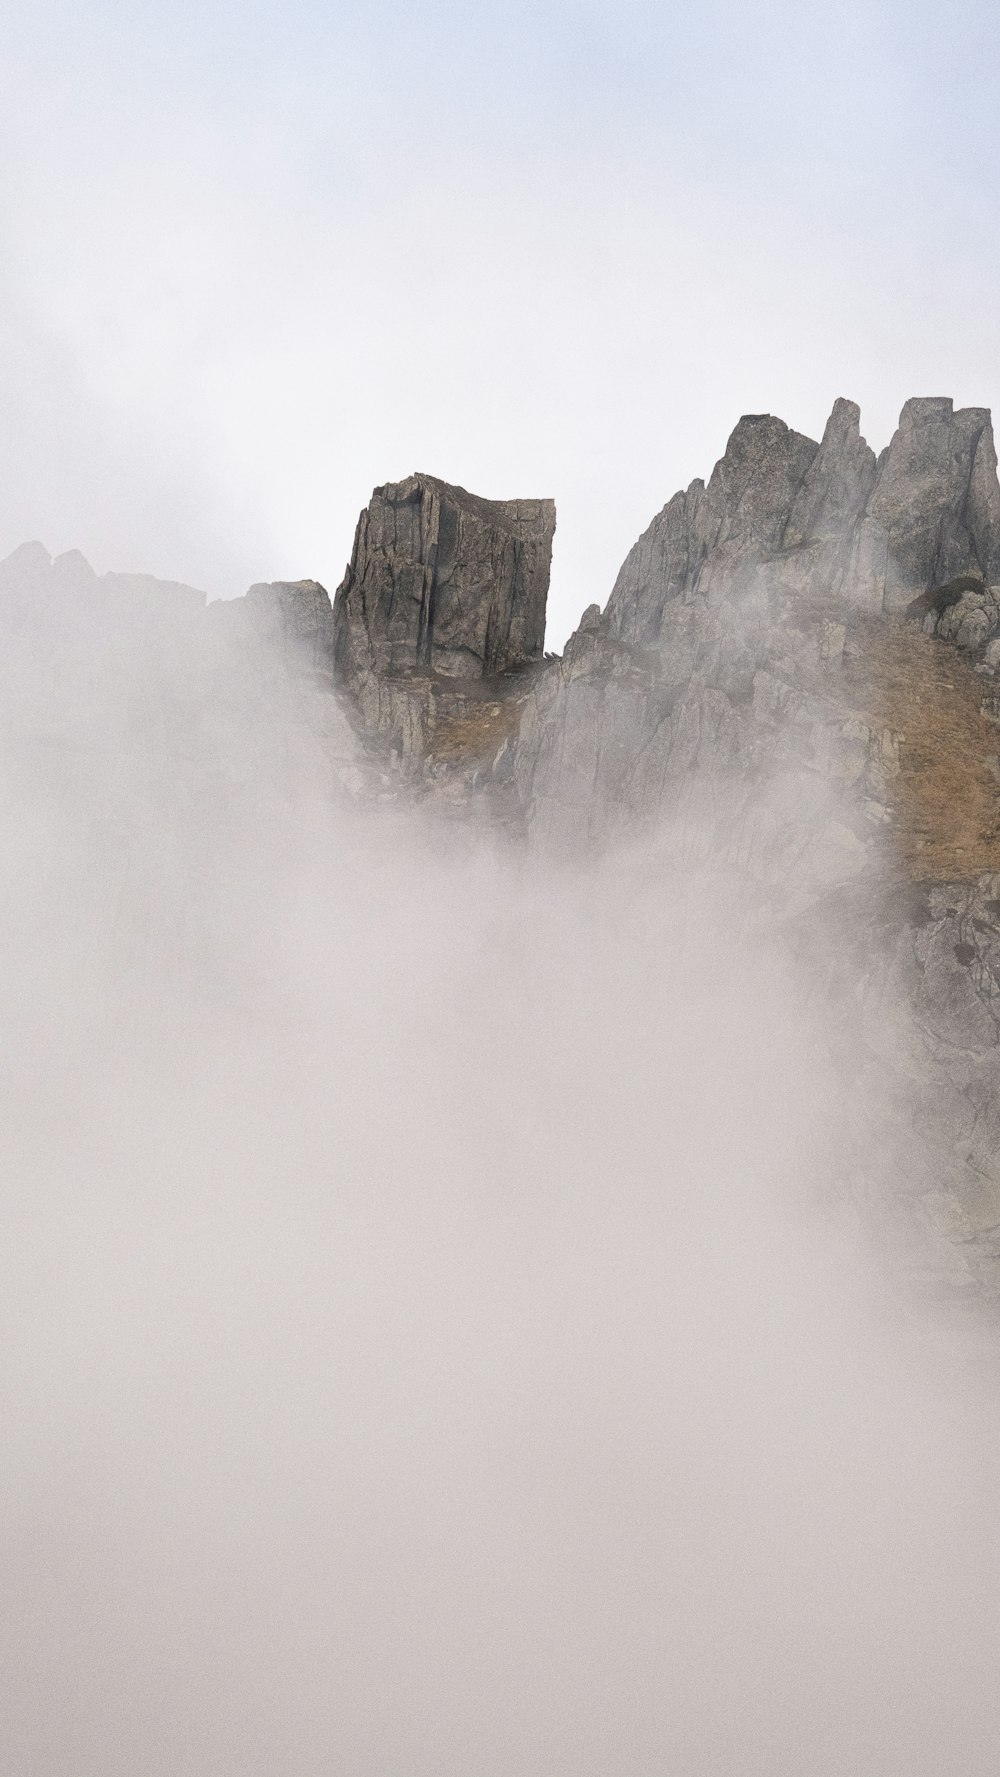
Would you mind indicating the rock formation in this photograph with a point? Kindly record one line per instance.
(934, 512)
(445, 592)
(720, 648)
(442, 580)
(291, 619)
(752, 698)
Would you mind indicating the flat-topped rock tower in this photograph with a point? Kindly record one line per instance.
(443, 581)
(443, 599)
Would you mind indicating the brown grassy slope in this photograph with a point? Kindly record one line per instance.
(947, 795)
(477, 734)
(946, 799)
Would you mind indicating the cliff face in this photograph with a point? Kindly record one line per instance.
(825, 519)
(444, 593)
(768, 694)
(722, 646)
(442, 580)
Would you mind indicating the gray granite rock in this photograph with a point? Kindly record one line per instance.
(443, 581)
(820, 536)
(709, 541)
(934, 512)
(972, 620)
(445, 594)
(701, 710)
(824, 520)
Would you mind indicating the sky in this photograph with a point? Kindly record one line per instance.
(257, 259)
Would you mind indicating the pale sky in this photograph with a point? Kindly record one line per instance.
(256, 258)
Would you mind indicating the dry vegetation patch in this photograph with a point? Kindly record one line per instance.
(476, 733)
(947, 794)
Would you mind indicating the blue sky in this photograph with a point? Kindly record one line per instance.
(255, 259)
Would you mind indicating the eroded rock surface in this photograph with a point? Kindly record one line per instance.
(934, 512)
(444, 591)
(442, 580)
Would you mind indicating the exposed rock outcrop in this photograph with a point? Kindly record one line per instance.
(715, 653)
(934, 512)
(444, 592)
(291, 619)
(35, 586)
(939, 599)
(775, 498)
(442, 580)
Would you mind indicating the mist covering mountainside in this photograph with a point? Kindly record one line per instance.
(504, 1177)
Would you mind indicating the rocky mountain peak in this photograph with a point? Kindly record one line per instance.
(831, 500)
(934, 512)
(752, 487)
(445, 594)
(443, 581)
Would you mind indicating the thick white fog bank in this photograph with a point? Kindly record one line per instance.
(434, 1341)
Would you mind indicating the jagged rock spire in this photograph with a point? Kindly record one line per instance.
(825, 519)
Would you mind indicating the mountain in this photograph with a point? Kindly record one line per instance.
(793, 685)
(791, 692)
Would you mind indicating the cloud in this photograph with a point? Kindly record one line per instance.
(434, 1334)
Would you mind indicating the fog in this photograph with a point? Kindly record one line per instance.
(437, 1335)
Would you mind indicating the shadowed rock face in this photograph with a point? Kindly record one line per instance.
(935, 510)
(441, 581)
